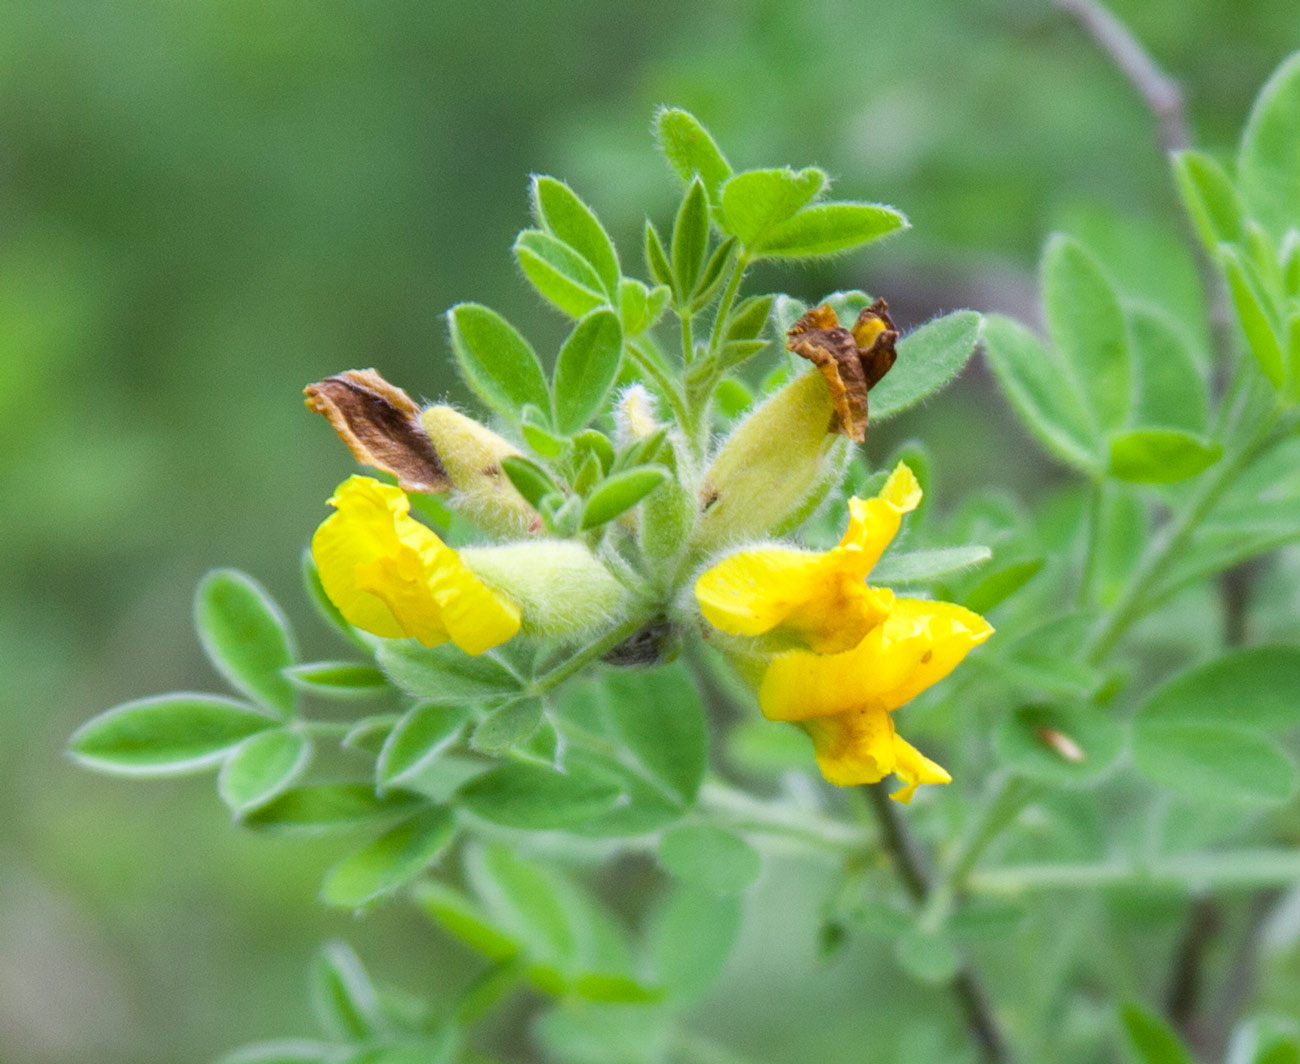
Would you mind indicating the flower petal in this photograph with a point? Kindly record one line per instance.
(952, 632)
(800, 685)
(914, 768)
(751, 592)
(391, 576)
(854, 747)
(873, 523)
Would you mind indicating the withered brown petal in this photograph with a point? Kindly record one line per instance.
(832, 349)
(380, 423)
(875, 335)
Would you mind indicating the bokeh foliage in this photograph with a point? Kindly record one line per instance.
(205, 207)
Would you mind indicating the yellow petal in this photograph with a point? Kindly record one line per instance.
(854, 747)
(952, 632)
(914, 768)
(752, 592)
(812, 600)
(799, 685)
(861, 746)
(391, 576)
(873, 523)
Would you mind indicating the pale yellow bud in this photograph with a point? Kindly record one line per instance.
(559, 586)
(472, 454)
(772, 467)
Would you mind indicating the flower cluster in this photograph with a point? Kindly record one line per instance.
(840, 656)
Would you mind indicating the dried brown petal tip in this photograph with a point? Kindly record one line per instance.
(1061, 744)
(380, 423)
(851, 361)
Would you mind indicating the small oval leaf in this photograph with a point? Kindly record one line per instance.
(245, 636)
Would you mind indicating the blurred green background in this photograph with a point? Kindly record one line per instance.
(204, 206)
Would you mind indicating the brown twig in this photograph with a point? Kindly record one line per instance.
(1158, 90)
(966, 988)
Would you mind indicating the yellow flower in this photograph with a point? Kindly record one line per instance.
(861, 652)
(843, 701)
(818, 600)
(391, 576)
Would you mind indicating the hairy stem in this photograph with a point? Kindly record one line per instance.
(966, 988)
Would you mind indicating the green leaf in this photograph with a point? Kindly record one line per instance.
(1151, 1039)
(497, 363)
(714, 272)
(536, 798)
(658, 717)
(1041, 392)
(507, 726)
(445, 675)
(586, 369)
(1059, 744)
(388, 862)
(831, 228)
(690, 238)
(1268, 166)
(708, 857)
(560, 211)
(1000, 584)
(536, 427)
(756, 201)
(166, 735)
(464, 919)
(338, 679)
(560, 274)
(1209, 197)
(418, 740)
(525, 900)
(692, 933)
(343, 996)
(1087, 327)
(368, 735)
(748, 318)
(1255, 319)
(638, 307)
(262, 767)
(656, 259)
(319, 806)
(1254, 688)
(691, 150)
(928, 359)
(923, 566)
(245, 636)
(1214, 762)
(532, 481)
(620, 493)
(1172, 391)
(1160, 456)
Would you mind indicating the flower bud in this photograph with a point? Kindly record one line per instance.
(559, 586)
(770, 466)
(471, 453)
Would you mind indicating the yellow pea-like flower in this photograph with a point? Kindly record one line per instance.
(859, 652)
(844, 701)
(818, 600)
(391, 576)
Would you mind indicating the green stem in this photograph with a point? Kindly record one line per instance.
(688, 341)
(584, 657)
(1130, 605)
(648, 362)
(998, 813)
(733, 808)
(728, 298)
(1093, 546)
(1227, 870)
(966, 988)
(324, 728)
